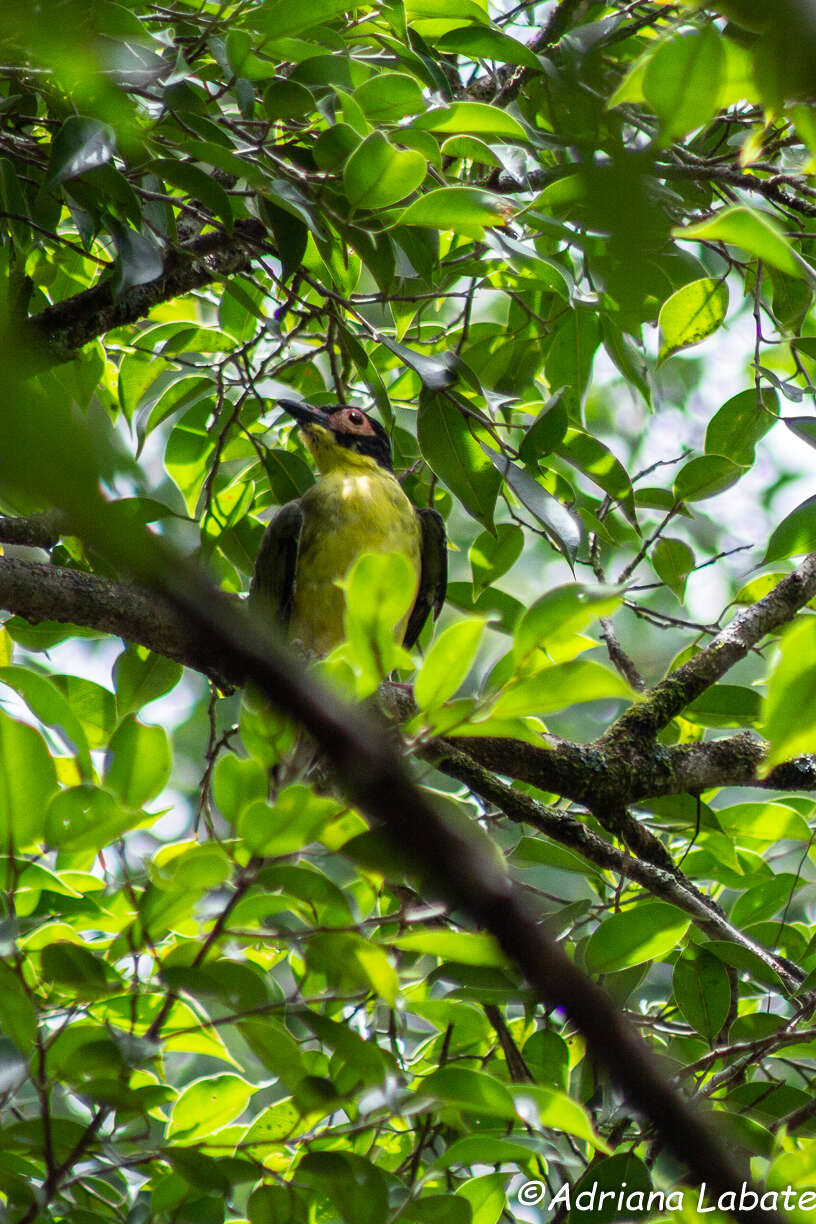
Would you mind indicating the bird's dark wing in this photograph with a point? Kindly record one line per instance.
(433, 579)
(273, 582)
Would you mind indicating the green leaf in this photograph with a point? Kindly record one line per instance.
(389, 96)
(486, 42)
(789, 722)
(207, 1105)
(691, 314)
(141, 676)
(703, 990)
(87, 818)
(196, 183)
(464, 947)
(296, 817)
(474, 119)
(27, 781)
(735, 428)
(755, 232)
(598, 463)
(450, 445)
(280, 18)
(473, 1091)
(765, 823)
(139, 764)
(681, 83)
(237, 782)
(486, 1196)
(724, 705)
(541, 1105)
(491, 555)
(673, 561)
(435, 370)
(355, 1186)
(705, 476)
(802, 427)
(380, 590)
(563, 528)
(377, 174)
(77, 967)
(46, 700)
(18, 1019)
(80, 145)
(563, 685)
(561, 614)
(447, 663)
(646, 932)
(465, 210)
(795, 535)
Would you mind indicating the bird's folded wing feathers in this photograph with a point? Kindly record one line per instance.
(433, 578)
(273, 582)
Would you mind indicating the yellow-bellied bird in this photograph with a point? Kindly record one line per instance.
(356, 506)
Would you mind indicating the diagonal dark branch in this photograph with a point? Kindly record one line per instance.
(64, 327)
(643, 720)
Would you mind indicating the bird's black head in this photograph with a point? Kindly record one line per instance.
(340, 426)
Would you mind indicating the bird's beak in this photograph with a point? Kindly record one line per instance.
(305, 414)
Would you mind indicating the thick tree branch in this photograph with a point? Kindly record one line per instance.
(669, 884)
(42, 592)
(60, 329)
(642, 721)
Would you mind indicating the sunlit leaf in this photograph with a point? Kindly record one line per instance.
(691, 314)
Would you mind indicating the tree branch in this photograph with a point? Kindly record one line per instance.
(642, 721)
(64, 327)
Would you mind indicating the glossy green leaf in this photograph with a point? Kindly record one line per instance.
(485, 42)
(803, 427)
(691, 314)
(598, 463)
(561, 614)
(735, 428)
(81, 144)
(450, 444)
(140, 762)
(87, 818)
(703, 990)
(447, 663)
(796, 534)
(27, 781)
(466, 947)
(207, 1105)
(556, 687)
(643, 933)
(706, 476)
(141, 676)
(295, 817)
(197, 184)
(789, 719)
(681, 83)
(673, 561)
(755, 232)
(389, 96)
(378, 174)
(465, 210)
(491, 555)
(563, 527)
(380, 591)
(237, 782)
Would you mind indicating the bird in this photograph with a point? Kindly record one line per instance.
(356, 506)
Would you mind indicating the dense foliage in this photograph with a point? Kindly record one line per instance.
(500, 228)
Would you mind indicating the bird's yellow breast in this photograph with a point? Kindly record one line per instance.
(349, 511)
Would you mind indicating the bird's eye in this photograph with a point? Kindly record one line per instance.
(355, 417)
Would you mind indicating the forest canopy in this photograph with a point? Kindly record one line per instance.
(463, 932)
